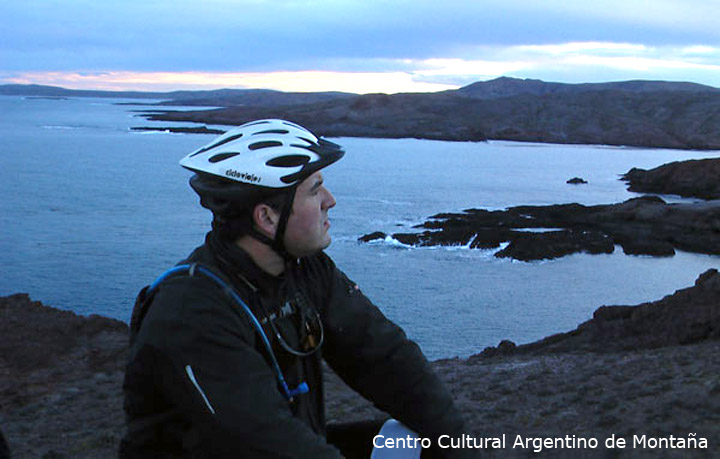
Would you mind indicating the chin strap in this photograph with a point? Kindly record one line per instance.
(278, 244)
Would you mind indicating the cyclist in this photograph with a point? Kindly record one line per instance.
(227, 347)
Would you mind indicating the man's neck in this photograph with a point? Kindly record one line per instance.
(263, 255)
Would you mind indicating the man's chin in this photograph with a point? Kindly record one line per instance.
(326, 244)
(309, 252)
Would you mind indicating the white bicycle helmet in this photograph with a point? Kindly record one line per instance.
(254, 161)
(270, 153)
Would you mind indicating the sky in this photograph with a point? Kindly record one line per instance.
(360, 46)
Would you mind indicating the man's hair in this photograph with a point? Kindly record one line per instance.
(232, 203)
(240, 221)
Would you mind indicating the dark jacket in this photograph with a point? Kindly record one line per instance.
(199, 383)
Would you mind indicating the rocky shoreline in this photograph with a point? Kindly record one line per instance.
(649, 370)
(692, 178)
(641, 226)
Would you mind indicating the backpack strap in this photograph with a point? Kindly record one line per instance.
(147, 293)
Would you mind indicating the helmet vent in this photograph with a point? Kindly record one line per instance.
(296, 126)
(266, 144)
(222, 157)
(289, 161)
(217, 144)
(272, 131)
(255, 123)
(310, 142)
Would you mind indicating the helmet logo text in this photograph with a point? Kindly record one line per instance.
(243, 176)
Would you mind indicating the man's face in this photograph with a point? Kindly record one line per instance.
(308, 225)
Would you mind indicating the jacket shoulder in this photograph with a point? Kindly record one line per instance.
(184, 307)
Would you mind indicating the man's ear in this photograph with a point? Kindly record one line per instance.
(266, 219)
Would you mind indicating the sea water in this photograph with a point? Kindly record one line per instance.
(92, 211)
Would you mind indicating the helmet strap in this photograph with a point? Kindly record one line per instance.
(278, 244)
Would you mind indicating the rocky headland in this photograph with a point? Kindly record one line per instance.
(650, 371)
(641, 226)
(637, 113)
(694, 178)
(609, 117)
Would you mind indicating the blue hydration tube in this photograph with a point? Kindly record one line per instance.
(191, 269)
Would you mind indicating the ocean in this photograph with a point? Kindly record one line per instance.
(92, 211)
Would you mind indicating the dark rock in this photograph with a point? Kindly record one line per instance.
(694, 178)
(646, 246)
(555, 244)
(642, 226)
(490, 238)
(448, 237)
(506, 347)
(576, 181)
(372, 236)
(409, 238)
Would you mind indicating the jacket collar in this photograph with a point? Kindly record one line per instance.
(237, 264)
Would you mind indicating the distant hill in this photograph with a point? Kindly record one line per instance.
(633, 113)
(217, 97)
(508, 87)
(251, 97)
(649, 114)
(55, 91)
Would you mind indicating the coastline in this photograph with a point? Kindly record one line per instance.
(641, 226)
(202, 127)
(62, 375)
(639, 113)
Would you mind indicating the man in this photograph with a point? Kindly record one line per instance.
(226, 347)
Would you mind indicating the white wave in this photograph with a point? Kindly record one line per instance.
(153, 131)
(391, 241)
(52, 126)
(536, 230)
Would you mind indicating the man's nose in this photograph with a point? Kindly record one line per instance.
(329, 201)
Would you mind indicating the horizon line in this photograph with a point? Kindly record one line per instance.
(180, 88)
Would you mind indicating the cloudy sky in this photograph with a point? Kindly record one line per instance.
(354, 45)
